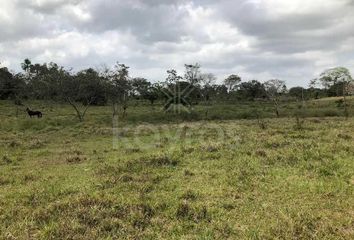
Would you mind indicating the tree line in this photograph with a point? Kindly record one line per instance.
(115, 86)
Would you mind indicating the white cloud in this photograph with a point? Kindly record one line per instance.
(289, 39)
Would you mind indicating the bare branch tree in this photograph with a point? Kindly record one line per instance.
(274, 88)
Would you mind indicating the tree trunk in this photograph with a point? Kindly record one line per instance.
(276, 107)
(346, 113)
(79, 114)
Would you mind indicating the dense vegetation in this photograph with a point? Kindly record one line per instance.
(116, 88)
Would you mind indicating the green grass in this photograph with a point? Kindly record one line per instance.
(173, 179)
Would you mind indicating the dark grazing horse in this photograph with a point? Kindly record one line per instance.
(34, 113)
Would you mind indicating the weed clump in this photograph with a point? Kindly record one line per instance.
(187, 149)
(29, 178)
(183, 210)
(159, 145)
(7, 160)
(211, 148)
(126, 178)
(197, 214)
(344, 136)
(189, 195)
(14, 144)
(142, 213)
(161, 160)
(261, 153)
(75, 156)
(132, 150)
(188, 173)
(75, 159)
(36, 143)
(4, 181)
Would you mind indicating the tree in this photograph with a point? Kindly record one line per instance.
(220, 91)
(339, 77)
(143, 89)
(92, 89)
(119, 87)
(315, 93)
(334, 76)
(207, 80)
(26, 66)
(193, 76)
(74, 92)
(42, 80)
(231, 82)
(296, 92)
(172, 77)
(335, 90)
(152, 94)
(251, 90)
(139, 86)
(192, 73)
(274, 88)
(299, 93)
(177, 91)
(10, 85)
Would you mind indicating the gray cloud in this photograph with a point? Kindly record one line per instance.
(297, 31)
(292, 40)
(46, 7)
(154, 22)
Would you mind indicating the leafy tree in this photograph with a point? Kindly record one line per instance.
(339, 77)
(10, 86)
(92, 89)
(336, 89)
(159, 90)
(139, 86)
(315, 93)
(43, 80)
(26, 66)
(152, 94)
(119, 88)
(251, 90)
(207, 80)
(333, 76)
(193, 76)
(143, 89)
(231, 82)
(182, 93)
(177, 91)
(172, 77)
(75, 90)
(274, 88)
(219, 90)
(297, 92)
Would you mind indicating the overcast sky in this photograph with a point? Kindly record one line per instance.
(293, 40)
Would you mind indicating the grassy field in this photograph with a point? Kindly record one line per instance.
(159, 176)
